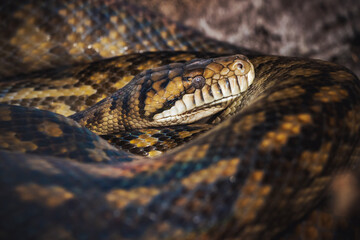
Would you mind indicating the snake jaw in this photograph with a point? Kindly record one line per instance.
(206, 101)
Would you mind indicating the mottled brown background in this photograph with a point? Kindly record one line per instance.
(327, 29)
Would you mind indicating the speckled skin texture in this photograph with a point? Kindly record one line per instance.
(260, 174)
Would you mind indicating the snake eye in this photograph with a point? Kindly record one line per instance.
(198, 82)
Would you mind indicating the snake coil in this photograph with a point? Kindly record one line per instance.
(264, 168)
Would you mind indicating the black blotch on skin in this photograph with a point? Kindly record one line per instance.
(147, 85)
(125, 103)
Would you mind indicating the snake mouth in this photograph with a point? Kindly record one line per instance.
(206, 101)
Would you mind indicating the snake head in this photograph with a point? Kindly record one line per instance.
(203, 88)
(173, 94)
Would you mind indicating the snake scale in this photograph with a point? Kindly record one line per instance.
(263, 170)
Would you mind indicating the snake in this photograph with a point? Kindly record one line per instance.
(262, 137)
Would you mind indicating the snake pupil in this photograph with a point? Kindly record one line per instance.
(198, 82)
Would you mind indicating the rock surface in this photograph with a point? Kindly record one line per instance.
(328, 30)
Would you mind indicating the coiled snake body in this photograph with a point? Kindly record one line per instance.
(256, 174)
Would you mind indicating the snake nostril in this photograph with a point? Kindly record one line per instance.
(198, 82)
(240, 66)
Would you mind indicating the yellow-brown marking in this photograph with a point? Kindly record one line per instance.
(5, 114)
(121, 64)
(29, 93)
(174, 88)
(352, 120)
(249, 121)
(31, 41)
(170, 143)
(208, 73)
(291, 126)
(111, 172)
(342, 75)
(60, 82)
(182, 57)
(144, 140)
(56, 232)
(154, 153)
(185, 134)
(252, 197)
(60, 108)
(193, 153)
(99, 77)
(331, 94)
(41, 165)
(97, 154)
(9, 140)
(149, 64)
(291, 92)
(121, 83)
(321, 220)
(216, 67)
(50, 196)
(304, 72)
(225, 71)
(119, 198)
(50, 128)
(221, 169)
(151, 131)
(314, 162)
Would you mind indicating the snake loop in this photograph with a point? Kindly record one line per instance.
(282, 128)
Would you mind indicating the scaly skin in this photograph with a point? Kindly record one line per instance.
(178, 93)
(250, 177)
